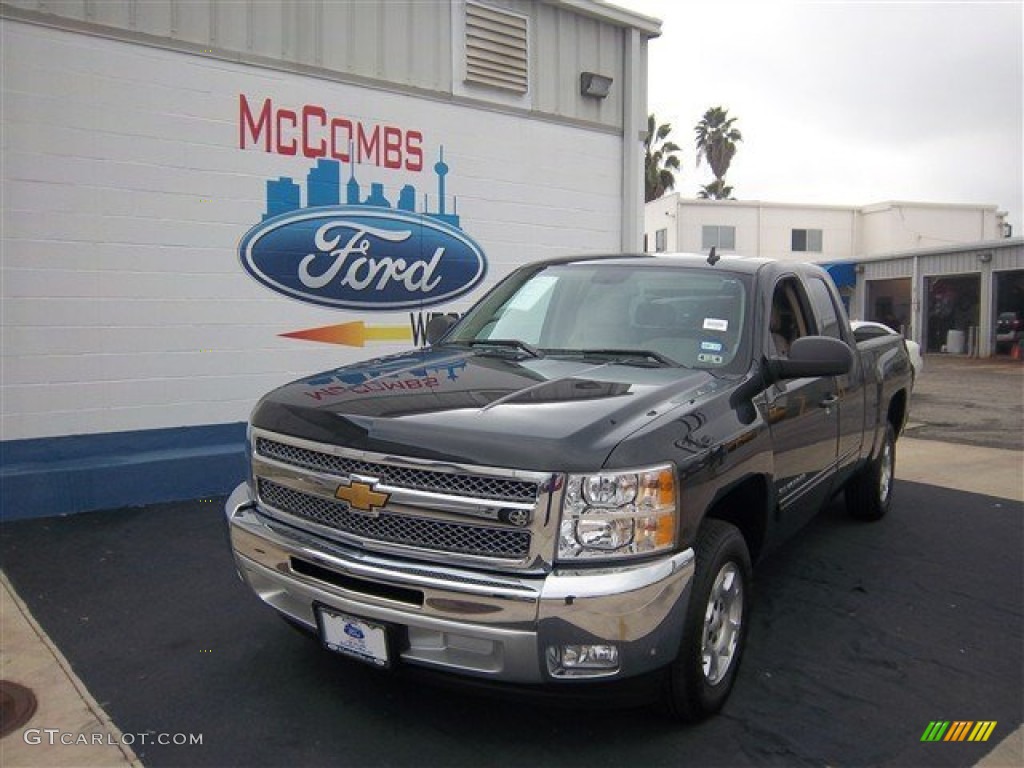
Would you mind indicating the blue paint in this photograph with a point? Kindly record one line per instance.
(350, 251)
(843, 273)
(362, 258)
(45, 477)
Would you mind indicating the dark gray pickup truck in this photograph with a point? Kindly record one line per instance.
(569, 485)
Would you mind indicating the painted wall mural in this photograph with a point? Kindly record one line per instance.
(348, 246)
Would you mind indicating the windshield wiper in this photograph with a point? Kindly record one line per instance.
(529, 349)
(625, 354)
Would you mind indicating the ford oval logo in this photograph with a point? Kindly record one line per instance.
(350, 257)
(354, 632)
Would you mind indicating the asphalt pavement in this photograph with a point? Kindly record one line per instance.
(970, 402)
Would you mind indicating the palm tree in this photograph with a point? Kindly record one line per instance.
(716, 143)
(716, 190)
(660, 161)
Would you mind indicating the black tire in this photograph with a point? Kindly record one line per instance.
(715, 633)
(869, 493)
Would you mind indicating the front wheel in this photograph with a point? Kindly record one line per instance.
(700, 679)
(869, 493)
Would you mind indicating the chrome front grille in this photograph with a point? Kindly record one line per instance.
(440, 511)
(473, 486)
(437, 535)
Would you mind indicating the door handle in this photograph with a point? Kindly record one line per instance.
(829, 401)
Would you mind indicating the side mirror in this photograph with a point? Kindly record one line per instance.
(438, 326)
(812, 356)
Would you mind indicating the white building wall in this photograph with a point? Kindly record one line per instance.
(765, 229)
(778, 223)
(762, 229)
(896, 226)
(692, 218)
(126, 192)
(660, 216)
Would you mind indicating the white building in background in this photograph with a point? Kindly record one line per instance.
(820, 233)
(940, 273)
(162, 160)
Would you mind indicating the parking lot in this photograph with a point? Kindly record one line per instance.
(974, 402)
(862, 635)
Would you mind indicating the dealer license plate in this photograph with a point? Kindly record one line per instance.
(354, 637)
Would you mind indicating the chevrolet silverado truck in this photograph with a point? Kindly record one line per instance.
(569, 485)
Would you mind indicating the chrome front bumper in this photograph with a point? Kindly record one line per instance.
(494, 626)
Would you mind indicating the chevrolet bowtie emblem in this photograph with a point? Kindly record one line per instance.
(361, 496)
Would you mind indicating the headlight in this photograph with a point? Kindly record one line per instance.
(619, 514)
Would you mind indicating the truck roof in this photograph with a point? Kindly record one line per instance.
(726, 262)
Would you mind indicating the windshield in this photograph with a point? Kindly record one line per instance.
(690, 317)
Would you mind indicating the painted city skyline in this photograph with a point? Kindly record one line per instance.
(324, 188)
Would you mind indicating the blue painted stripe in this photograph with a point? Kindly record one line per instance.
(44, 477)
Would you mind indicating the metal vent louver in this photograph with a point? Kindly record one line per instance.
(496, 48)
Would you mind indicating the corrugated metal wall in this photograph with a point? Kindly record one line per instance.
(959, 262)
(988, 261)
(566, 45)
(964, 263)
(889, 269)
(408, 43)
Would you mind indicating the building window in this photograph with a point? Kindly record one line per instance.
(808, 240)
(714, 236)
(661, 240)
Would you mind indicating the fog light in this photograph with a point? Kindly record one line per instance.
(582, 660)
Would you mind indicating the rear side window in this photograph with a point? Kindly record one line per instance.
(824, 309)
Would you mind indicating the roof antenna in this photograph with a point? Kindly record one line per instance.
(713, 257)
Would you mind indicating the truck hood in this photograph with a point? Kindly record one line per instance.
(482, 407)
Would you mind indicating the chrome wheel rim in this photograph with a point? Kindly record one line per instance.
(885, 473)
(723, 620)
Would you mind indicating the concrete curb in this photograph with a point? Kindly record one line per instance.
(988, 471)
(28, 657)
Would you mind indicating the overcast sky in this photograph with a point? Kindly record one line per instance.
(849, 103)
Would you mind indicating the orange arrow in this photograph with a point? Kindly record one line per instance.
(354, 334)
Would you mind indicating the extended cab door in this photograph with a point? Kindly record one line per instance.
(849, 388)
(803, 415)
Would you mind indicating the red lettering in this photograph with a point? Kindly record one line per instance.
(368, 145)
(321, 135)
(430, 382)
(309, 150)
(392, 147)
(320, 394)
(340, 143)
(256, 129)
(414, 151)
(292, 147)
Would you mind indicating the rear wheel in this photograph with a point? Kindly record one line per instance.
(869, 494)
(700, 679)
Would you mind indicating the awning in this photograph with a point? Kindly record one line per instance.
(843, 273)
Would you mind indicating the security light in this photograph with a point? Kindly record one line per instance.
(595, 85)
